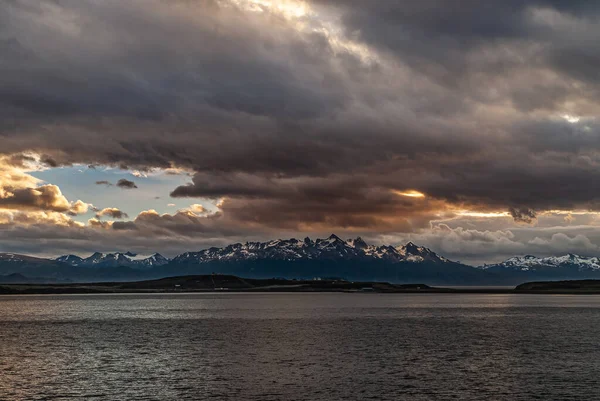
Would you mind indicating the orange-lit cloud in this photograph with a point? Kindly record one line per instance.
(410, 193)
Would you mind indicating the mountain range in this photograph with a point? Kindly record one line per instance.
(127, 259)
(565, 267)
(351, 259)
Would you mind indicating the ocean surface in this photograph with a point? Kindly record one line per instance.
(300, 347)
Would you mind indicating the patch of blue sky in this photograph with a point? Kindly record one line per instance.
(79, 182)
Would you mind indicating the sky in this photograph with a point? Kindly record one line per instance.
(169, 126)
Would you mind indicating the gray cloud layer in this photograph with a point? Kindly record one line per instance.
(312, 122)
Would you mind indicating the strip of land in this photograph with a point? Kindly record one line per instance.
(227, 283)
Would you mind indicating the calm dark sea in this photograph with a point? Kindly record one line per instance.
(300, 347)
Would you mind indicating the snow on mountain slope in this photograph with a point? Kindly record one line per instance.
(531, 263)
(16, 258)
(128, 259)
(331, 248)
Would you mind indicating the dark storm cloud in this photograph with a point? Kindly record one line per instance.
(368, 200)
(559, 136)
(540, 182)
(177, 72)
(237, 185)
(537, 50)
(340, 201)
(188, 225)
(111, 212)
(297, 128)
(126, 184)
(104, 182)
(444, 34)
(522, 215)
(48, 161)
(268, 109)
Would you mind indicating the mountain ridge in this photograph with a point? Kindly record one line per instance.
(291, 258)
(329, 248)
(353, 259)
(116, 259)
(547, 265)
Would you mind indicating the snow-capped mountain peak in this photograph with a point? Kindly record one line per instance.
(416, 253)
(117, 259)
(358, 243)
(330, 248)
(70, 259)
(331, 241)
(533, 263)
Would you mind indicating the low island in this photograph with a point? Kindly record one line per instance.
(211, 283)
(229, 283)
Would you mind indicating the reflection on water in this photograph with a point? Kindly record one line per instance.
(299, 346)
